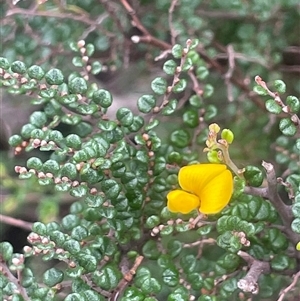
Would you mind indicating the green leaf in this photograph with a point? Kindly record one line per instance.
(276, 239)
(191, 118)
(72, 246)
(150, 250)
(133, 294)
(296, 210)
(202, 72)
(151, 286)
(52, 277)
(151, 125)
(170, 108)
(287, 127)
(208, 91)
(39, 228)
(36, 72)
(73, 297)
(6, 250)
(35, 163)
(125, 116)
(195, 279)
(280, 86)
(187, 64)
(210, 112)
(90, 49)
(88, 262)
(175, 157)
(15, 140)
(38, 118)
(159, 85)
(91, 295)
(137, 124)
(174, 247)
(293, 103)
(103, 98)
(37, 134)
(79, 233)
(170, 277)
(107, 125)
(58, 237)
(146, 103)
(188, 263)
(260, 90)
(253, 176)
(280, 262)
(180, 138)
(87, 109)
(73, 141)
(96, 67)
(108, 277)
(196, 101)
(18, 67)
(180, 86)
(77, 61)
(78, 85)
(169, 67)
(296, 225)
(177, 51)
(273, 107)
(4, 63)
(69, 170)
(54, 77)
(111, 188)
(70, 221)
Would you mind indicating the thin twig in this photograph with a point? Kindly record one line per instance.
(15, 222)
(126, 279)
(229, 73)
(170, 19)
(209, 241)
(291, 286)
(146, 38)
(7, 273)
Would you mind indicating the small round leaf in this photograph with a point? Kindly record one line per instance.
(52, 277)
(54, 77)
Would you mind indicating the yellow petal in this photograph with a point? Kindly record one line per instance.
(216, 194)
(194, 178)
(182, 201)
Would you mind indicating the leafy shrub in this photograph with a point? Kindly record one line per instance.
(117, 162)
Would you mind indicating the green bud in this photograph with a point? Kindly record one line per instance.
(227, 135)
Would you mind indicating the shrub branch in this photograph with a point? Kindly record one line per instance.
(257, 267)
(270, 192)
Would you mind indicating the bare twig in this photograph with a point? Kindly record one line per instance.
(208, 241)
(146, 37)
(249, 282)
(229, 73)
(291, 286)
(170, 19)
(33, 12)
(127, 279)
(15, 222)
(7, 273)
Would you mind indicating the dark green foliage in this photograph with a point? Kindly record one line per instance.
(102, 153)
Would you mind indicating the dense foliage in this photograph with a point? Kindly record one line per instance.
(119, 96)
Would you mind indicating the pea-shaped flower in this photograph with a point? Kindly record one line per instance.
(207, 187)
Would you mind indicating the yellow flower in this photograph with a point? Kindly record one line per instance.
(207, 187)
